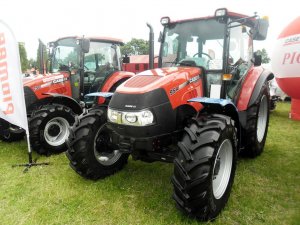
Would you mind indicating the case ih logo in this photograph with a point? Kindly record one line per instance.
(292, 40)
(45, 80)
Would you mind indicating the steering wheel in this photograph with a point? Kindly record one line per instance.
(202, 53)
(208, 56)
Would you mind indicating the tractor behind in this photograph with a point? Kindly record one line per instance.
(78, 66)
(208, 101)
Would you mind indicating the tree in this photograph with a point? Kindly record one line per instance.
(264, 56)
(136, 47)
(32, 63)
(23, 57)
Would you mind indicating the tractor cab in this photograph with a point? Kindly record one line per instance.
(90, 62)
(221, 45)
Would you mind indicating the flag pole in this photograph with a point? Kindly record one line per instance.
(13, 111)
(29, 149)
(31, 162)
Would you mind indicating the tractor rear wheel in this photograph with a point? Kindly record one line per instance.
(10, 133)
(256, 130)
(49, 128)
(205, 166)
(90, 150)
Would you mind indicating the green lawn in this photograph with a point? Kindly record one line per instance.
(266, 189)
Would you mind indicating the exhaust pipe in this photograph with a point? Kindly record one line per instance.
(42, 68)
(151, 47)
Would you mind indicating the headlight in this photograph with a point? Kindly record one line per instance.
(139, 118)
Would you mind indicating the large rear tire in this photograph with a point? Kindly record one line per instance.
(205, 166)
(256, 130)
(49, 128)
(90, 150)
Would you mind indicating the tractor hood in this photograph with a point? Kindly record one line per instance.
(173, 85)
(46, 83)
(40, 81)
(36, 87)
(166, 78)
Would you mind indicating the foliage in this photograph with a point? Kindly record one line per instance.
(136, 47)
(23, 57)
(264, 56)
(32, 63)
(266, 190)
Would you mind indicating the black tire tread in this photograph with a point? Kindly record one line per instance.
(36, 120)
(252, 148)
(81, 135)
(193, 165)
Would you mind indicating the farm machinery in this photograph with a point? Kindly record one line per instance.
(78, 66)
(207, 102)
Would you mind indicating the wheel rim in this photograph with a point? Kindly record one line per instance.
(56, 131)
(262, 118)
(104, 152)
(222, 169)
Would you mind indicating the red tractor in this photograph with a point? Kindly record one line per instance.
(208, 101)
(78, 66)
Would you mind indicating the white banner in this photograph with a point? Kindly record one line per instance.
(12, 101)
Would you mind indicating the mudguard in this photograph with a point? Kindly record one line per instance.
(214, 105)
(264, 77)
(64, 100)
(220, 106)
(251, 87)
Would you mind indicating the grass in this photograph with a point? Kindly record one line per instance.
(266, 189)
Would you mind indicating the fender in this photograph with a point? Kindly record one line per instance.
(264, 77)
(101, 94)
(221, 106)
(251, 87)
(112, 82)
(60, 99)
(115, 78)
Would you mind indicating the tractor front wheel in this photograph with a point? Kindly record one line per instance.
(49, 128)
(90, 149)
(205, 166)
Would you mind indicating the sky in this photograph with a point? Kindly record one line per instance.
(126, 19)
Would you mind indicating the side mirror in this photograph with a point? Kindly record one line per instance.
(126, 59)
(257, 60)
(85, 45)
(260, 29)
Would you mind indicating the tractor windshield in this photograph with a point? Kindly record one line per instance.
(194, 43)
(65, 55)
(102, 58)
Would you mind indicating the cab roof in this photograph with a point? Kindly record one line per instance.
(97, 39)
(233, 15)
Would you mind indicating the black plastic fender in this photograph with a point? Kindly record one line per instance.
(221, 106)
